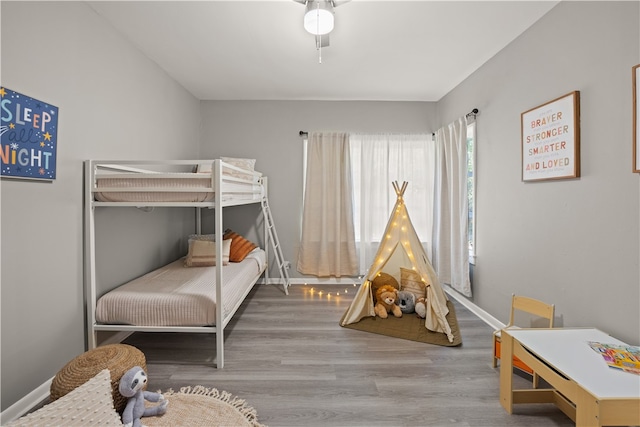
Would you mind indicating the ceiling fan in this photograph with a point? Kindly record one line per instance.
(319, 19)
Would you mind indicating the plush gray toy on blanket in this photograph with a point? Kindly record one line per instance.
(131, 386)
(406, 301)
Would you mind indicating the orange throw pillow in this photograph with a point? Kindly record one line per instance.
(240, 247)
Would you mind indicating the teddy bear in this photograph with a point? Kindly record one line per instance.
(406, 301)
(131, 386)
(386, 297)
(421, 308)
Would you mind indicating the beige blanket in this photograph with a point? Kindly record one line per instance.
(175, 295)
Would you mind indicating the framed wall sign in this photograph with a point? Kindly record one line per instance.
(636, 117)
(28, 137)
(551, 139)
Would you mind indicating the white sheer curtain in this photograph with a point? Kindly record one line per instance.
(450, 243)
(327, 246)
(377, 161)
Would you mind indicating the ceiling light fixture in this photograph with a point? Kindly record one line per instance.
(319, 20)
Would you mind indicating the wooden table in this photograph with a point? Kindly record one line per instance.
(582, 385)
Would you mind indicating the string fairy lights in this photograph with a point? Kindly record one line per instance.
(319, 294)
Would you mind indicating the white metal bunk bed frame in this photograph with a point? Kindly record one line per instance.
(91, 169)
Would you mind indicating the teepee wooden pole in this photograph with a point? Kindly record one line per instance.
(396, 187)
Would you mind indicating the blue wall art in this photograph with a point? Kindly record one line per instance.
(28, 136)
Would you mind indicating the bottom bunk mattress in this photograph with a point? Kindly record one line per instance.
(175, 295)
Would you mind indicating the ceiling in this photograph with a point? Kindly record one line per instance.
(380, 50)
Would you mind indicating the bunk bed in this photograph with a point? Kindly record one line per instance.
(193, 293)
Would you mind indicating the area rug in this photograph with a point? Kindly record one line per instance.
(410, 327)
(204, 407)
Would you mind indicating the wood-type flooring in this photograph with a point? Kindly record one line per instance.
(288, 357)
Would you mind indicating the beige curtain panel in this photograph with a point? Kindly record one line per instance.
(327, 246)
(451, 233)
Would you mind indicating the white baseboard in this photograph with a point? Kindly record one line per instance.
(341, 281)
(25, 404)
(326, 281)
(483, 315)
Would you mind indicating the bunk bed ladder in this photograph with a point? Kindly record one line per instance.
(283, 265)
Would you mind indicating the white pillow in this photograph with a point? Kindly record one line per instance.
(205, 168)
(91, 404)
(202, 253)
(246, 164)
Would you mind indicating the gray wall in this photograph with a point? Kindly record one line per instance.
(572, 242)
(113, 104)
(268, 132)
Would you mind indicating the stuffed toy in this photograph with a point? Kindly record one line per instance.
(386, 297)
(380, 280)
(406, 301)
(131, 386)
(421, 308)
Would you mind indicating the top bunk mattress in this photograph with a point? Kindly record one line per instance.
(175, 295)
(180, 181)
(185, 187)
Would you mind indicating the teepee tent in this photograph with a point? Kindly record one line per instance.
(401, 247)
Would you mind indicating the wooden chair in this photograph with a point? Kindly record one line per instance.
(535, 308)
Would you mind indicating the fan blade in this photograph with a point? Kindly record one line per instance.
(334, 3)
(322, 41)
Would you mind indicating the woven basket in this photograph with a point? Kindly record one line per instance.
(117, 358)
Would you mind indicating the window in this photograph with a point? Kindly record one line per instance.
(471, 189)
(378, 160)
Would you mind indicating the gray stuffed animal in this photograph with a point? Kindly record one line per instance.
(131, 385)
(406, 301)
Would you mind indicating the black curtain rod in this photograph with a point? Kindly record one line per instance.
(473, 113)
